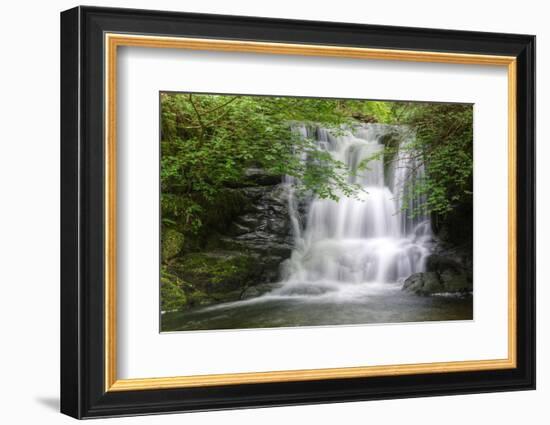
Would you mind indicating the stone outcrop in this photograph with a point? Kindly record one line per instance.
(242, 256)
(263, 229)
(443, 275)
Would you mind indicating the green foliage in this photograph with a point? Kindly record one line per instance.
(208, 141)
(371, 110)
(443, 144)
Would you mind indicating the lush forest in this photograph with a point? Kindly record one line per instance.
(217, 152)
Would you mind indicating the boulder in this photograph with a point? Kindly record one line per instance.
(172, 297)
(432, 283)
(172, 243)
(454, 272)
(426, 283)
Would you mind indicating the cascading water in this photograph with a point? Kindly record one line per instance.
(360, 242)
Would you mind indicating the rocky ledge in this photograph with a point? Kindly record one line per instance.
(242, 257)
(443, 275)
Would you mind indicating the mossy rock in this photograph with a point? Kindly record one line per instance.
(430, 283)
(198, 298)
(172, 296)
(218, 271)
(172, 243)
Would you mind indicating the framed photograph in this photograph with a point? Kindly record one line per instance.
(261, 212)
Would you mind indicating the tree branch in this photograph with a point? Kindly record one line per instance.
(197, 113)
(222, 105)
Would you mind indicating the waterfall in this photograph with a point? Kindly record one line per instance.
(366, 239)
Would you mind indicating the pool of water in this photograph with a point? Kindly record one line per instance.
(349, 305)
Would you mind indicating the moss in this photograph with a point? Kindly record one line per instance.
(172, 296)
(172, 243)
(197, 298)
(217, 268)
(215, 217)
(203, 278)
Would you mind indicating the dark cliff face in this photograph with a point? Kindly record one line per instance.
(455, 235)
(246, 237)
(456, 227)
(449, 269)
(263, 229)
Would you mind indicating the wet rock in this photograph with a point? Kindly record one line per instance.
(454, 272)
(237, 229)
(426, 283)
(263, 230)
(431, 283)
(439, 263)
(455, 282)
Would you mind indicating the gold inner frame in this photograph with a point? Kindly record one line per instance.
(113, 41)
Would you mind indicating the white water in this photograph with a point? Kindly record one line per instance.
(363, 244)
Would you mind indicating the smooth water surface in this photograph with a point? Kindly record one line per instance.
(375, 303)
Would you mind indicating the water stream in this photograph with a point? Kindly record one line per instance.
(363, 239)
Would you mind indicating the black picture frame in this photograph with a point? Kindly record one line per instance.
(83, 392)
